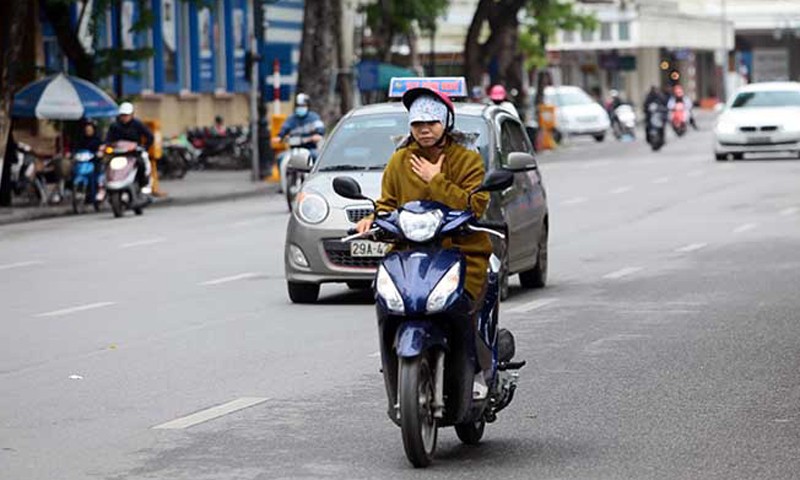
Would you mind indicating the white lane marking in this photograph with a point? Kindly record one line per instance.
(695, 173)
(620, 190)
(79, 308)
(661, 180)
(789, 211)
(30, 263)
(574, 201)
(142, 243)
(374, 355)
(623, 272)
(691, 247)
(530, 306)
(211, 413)
(232, 278)
(745, 227)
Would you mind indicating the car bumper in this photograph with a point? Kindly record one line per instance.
(598, 128)
(737, 143)
(328, 259)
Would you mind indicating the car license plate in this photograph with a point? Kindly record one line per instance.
(367, 248)
(759, 139)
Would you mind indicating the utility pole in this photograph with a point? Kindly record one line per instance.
(118, 32)
(262, 131)
(724, 56)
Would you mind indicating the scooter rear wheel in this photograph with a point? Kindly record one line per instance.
(417, 423)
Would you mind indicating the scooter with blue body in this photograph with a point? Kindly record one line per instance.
(445, 361)
(84, 181)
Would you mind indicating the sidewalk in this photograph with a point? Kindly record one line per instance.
(195, 187)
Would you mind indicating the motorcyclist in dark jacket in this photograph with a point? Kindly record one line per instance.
(652, 96)
(131, 129)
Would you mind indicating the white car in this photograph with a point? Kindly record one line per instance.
(761, 117)
(576, 113)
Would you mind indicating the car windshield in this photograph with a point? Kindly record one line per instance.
(364, 142)
(786, 98)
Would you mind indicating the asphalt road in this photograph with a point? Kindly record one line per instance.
(667, 345)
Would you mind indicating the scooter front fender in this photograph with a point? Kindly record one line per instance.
(416, 337)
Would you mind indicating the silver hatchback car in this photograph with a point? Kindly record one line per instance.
(360, 146)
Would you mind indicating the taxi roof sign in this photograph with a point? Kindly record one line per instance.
(453, 87)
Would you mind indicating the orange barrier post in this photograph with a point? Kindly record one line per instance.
(547, 120)
(275, 124)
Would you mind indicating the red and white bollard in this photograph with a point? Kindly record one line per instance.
(276, 87)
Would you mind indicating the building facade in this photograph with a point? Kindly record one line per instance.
(645, 43)
(198, 68)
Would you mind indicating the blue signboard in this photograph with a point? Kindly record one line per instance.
(284, 32)
(201, 29)
(167, 72)
(132, 81)
(236, 45)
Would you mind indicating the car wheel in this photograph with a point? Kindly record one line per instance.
(303, 292)
(738, 156)
(537, 276)
(721, 157)
(599, 138)
(558, 136)
(504, 288)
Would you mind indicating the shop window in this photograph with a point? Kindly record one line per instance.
(587, 35)
(624, 31)
(569, 36)
(605, 31)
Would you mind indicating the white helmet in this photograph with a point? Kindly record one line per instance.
(613, 93)
(126, 108)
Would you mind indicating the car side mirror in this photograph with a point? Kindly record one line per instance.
(348, 187)
(300, 161)
(496, 180)
(520, 162)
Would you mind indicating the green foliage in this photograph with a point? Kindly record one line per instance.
(399, 16)
(542, 20)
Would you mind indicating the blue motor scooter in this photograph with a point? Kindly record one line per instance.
(445, 363)
(84, 181)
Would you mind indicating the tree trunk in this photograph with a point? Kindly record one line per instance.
(59, 16)
(319, 56)
(12, 37)
(500, 46)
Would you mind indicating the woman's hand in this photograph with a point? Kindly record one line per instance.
(425, 169)
(364, 225)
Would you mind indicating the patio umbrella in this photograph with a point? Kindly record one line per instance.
(62, 97)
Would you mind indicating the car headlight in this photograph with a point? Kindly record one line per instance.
(311, 207)
(388, 291)
(446, 286)
(726, 127)
(118, 163)
(420, 227)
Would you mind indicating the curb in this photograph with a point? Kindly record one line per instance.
(35, 213)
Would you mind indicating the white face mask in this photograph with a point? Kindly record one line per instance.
(301, 111)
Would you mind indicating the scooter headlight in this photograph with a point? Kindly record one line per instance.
(388, 291)
(437, 300)
(118, 163)
(420, 227)
(311, 207)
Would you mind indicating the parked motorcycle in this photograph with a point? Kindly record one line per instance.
(678, 119)
(123, 183)
(624, 125)
(438, 370)
(84, 182)
(24, 179)
(656, 125)
(179, 156)
(231, 149)
(296, 164)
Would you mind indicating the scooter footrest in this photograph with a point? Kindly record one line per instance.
(511, 365)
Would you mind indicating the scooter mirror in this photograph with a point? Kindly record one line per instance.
(496, 180)
(348, 187)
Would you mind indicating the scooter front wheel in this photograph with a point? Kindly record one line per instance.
(116, 204)
(417, 423)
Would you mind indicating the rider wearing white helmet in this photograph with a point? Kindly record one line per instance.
(131, 129)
